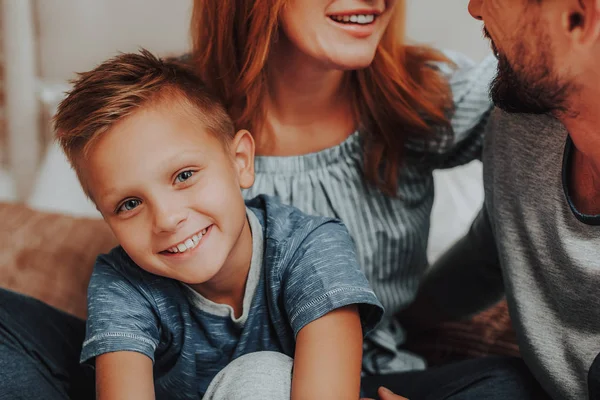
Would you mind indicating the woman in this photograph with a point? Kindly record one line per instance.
(349, 122)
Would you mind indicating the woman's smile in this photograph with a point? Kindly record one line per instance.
(359, 24)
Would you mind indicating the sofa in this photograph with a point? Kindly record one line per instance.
(50, 256)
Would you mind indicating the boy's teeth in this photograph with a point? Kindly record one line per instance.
(204, 231)
(188, 244)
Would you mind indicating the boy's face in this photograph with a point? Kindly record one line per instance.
(170, 192)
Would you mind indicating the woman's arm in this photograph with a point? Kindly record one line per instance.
(328, 357)
(124, 375)
(462, 141)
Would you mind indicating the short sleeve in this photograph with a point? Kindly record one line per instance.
(121, 315)
(322, 275)
(462, 141)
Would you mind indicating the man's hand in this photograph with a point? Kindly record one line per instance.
(386, 394)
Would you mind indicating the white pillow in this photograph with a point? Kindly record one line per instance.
(458, 198)
(56, 188)
(8, 192)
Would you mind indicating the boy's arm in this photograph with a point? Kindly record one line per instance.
(328, 357)
(122, 329)
(330, 307)
(124, 375)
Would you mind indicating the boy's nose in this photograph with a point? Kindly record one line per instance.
(168, 219)
(475, 9)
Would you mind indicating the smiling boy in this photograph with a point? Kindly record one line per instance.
(201, 278)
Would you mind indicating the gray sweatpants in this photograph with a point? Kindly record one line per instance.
(254, 376)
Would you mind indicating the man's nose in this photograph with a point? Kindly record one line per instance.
(475, 9)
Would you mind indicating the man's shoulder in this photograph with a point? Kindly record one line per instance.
(520, 139)
(528, 124)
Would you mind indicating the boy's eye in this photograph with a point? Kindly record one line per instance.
(184, 176)
(128, 205)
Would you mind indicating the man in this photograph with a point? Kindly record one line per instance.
(541, 218)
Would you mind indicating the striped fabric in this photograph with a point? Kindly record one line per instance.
(390, 233)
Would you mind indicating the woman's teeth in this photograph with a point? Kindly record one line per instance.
(362, 19)
(188, 244)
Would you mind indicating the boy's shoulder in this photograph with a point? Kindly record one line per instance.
(282, 222)
(116, 273)
(117, 259)
(117, 265)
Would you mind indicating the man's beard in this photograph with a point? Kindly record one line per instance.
(529, 85)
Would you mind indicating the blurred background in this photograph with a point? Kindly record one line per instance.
(44, 42)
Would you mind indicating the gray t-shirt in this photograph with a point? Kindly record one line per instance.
(530, 236)
(302, 268)
(549, 253)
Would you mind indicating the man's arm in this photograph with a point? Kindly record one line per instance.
(124, 375)
(465, 280)
(328, 357)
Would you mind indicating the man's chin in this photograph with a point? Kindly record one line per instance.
(512, 99)
(510, 91)
(529, 88)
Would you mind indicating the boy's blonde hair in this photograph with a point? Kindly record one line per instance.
(118, 88)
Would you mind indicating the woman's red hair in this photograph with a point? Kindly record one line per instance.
(398, 96)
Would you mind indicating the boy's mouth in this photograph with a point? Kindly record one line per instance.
(187, 244)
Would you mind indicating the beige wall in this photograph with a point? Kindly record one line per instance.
(446, 24)
(75, 35)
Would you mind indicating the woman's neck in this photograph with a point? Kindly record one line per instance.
(308, 106)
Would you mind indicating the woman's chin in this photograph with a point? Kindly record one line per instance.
(349, 61)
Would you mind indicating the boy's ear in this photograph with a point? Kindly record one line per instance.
(242, 149)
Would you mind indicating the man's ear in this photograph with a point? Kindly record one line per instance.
(582, 21)
(242, 151)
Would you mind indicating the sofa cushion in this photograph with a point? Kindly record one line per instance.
(50, 256)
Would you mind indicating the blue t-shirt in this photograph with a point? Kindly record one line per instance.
(302, 268)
